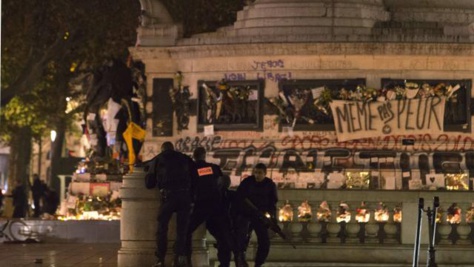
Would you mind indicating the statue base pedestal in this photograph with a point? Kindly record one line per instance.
(159, 35)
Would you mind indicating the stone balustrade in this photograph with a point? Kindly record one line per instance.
(373, 241)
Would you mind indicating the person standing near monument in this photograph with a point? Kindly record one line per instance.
(20, 202)
(174, 174)
(38, 190)
(261, 192)
(210, 208)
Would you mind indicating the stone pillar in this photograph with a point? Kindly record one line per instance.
(410, 220)
(138, 221)
(138, 226)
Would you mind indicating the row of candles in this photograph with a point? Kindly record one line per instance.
(363, 213)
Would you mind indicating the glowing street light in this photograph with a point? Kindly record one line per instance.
(53, 135)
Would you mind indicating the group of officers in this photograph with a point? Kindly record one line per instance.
(198, 192)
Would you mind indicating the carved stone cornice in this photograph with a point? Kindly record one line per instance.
(234, 50)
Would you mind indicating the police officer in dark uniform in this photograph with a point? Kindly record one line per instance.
(210, 208)
(261, 191)
(232, 212)
(175, 174)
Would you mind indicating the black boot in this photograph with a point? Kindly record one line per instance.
(159, 263)
(240, 261)
(190, 261)
(181, 261)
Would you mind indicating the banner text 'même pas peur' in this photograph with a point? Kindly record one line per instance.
(357, 119)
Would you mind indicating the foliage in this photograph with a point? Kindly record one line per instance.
(47, 43)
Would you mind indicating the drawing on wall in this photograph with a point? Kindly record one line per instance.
(230, 105)
(304, 104)
(457, 116)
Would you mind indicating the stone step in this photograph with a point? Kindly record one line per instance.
(277, 22)
(315, 38)
(338, 264)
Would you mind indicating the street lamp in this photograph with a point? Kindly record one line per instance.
(53, 135)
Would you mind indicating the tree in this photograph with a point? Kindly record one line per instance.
(46, 43)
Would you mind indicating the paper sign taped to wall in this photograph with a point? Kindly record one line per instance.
(208, 130)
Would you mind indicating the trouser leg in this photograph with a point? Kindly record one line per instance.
(196, 219)
(182, 222)
(164, 216)
(263, 242)
(37, 211)
(241, 229)
(219, 227)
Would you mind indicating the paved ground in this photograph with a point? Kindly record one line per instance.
(105, 255)
(58, 255)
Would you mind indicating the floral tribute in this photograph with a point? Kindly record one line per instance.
(224, 103)
(286, 213)
(324, 212)
(343, 213)
(312, 105)
(397, 214)
(381, 212)
(453, 214)
(357, 180)
(93, 192)
(470, 214)
(304, 212)
(180, 99)
(362, 213)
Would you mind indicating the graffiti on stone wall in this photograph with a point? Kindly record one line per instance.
(422, 142)
(235, 76)
(309, 157)
(269, 70)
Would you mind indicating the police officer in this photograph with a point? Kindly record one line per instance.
(210, 207)
(262, 193)
(175, 174)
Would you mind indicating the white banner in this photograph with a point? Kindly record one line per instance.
(357, 119)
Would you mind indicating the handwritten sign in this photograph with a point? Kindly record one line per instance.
(356, 119)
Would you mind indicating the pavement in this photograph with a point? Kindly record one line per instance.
(58, 254)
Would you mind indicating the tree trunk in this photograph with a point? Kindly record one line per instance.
(56, 155)
(60, 124)
(19, 162)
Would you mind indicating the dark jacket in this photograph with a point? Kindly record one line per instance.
(38, 188)
(262, 194)
(51, 202)
(174, 171)
(207, 188)
(19, 196)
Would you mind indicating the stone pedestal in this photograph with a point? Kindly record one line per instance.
(138, 226)
(159, 34)
(314, 17)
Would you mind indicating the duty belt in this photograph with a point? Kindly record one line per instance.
(172, 191)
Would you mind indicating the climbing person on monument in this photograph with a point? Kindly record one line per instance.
(174, 174)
